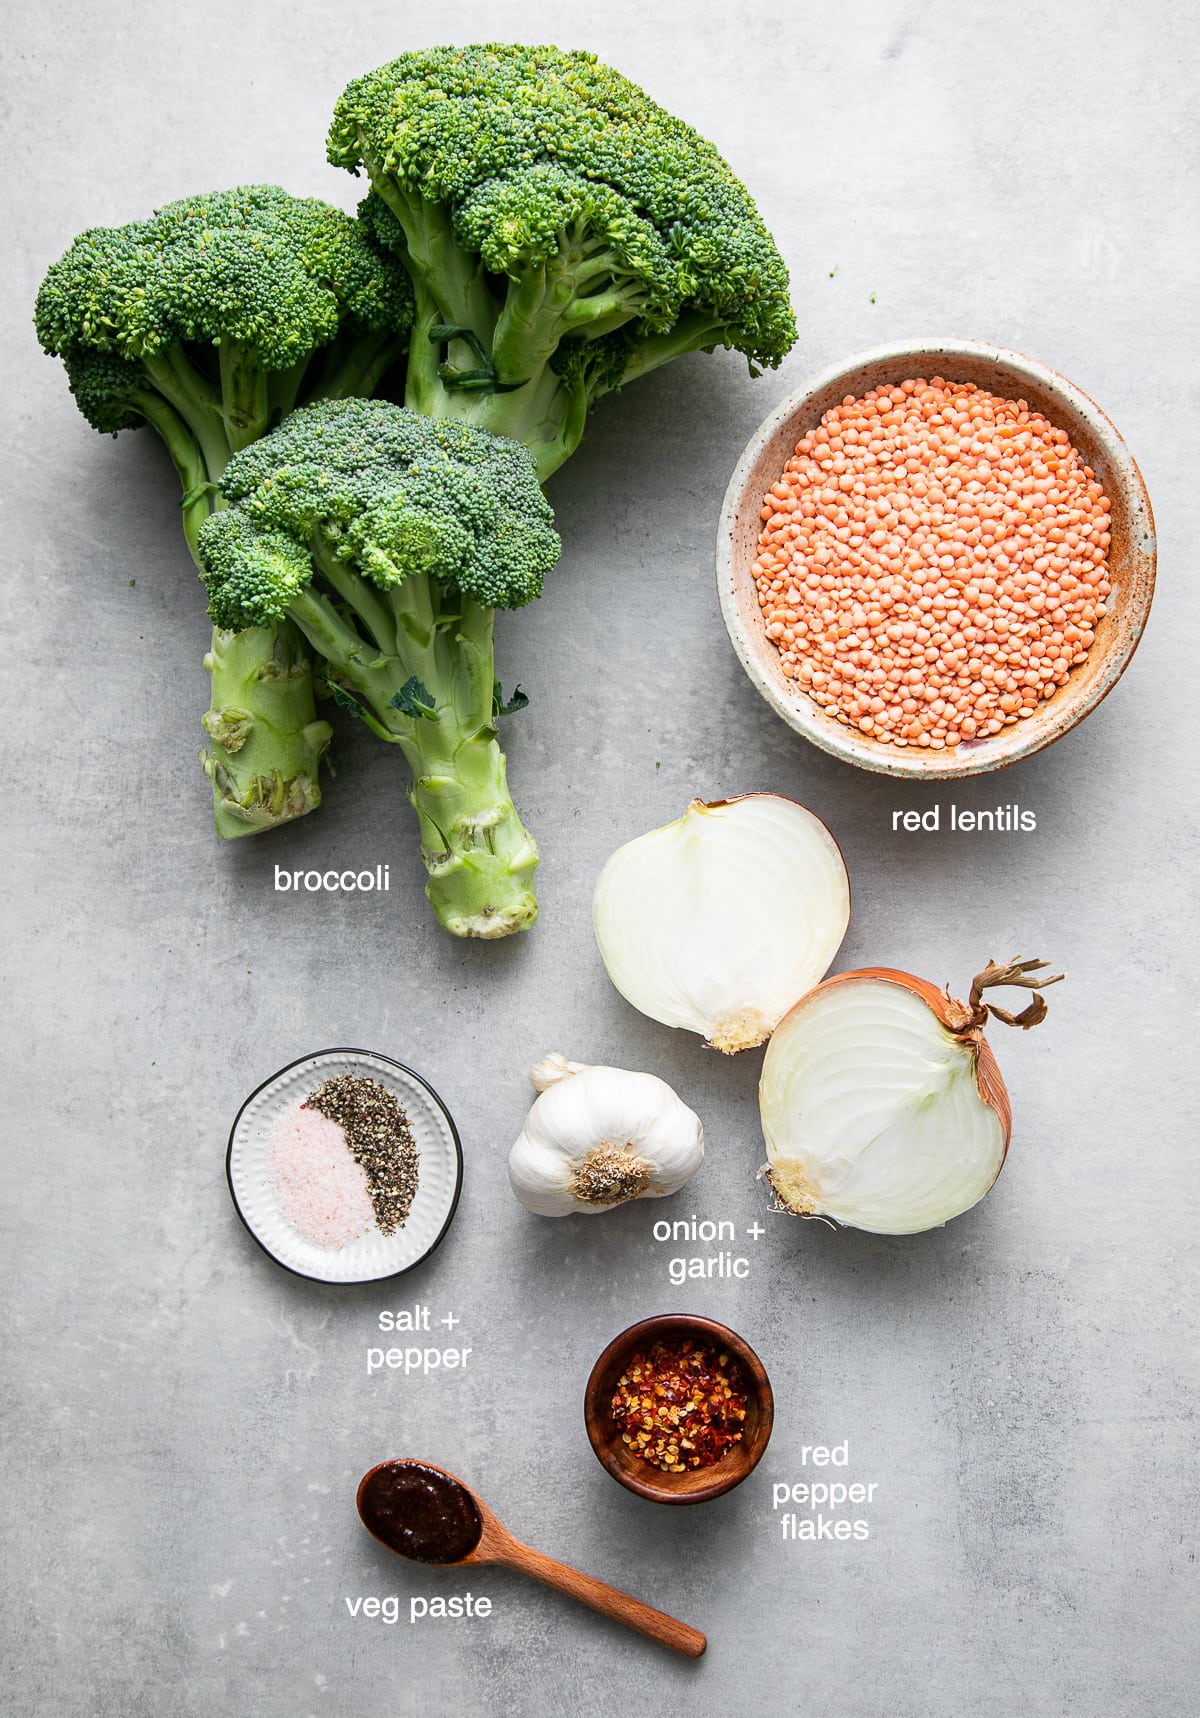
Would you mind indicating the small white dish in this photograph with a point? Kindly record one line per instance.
(373, 1256)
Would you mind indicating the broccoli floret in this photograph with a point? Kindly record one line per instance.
(390, 538)
(218, 304)
(543, 203)
(209, 321)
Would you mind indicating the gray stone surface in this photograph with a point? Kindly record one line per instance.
(184, 1423)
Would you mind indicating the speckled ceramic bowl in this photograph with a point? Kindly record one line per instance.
(1012, 376)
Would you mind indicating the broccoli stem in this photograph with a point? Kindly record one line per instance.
(193, 398)
(353, 366)
(245, 393)
(698, 331)
(529, 326)
(266, 741)
(452, 276)
(539, 416)
(450, 289)
(479, 857)
(544, 416)
(546, 302)
(187, 458)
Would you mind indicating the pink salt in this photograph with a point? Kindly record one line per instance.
(322, 1190)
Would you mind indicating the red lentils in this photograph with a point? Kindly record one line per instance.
(680, 1406)
(933, 562)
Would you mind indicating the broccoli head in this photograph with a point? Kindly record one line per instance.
(209, 321)
(543, 204)
(217, 305)
(388, 492)
(390, 538)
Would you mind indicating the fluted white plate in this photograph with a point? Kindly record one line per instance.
(372, 1256)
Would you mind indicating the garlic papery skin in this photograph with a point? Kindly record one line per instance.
(719, 922)
(882, 1104)
(598, 1137)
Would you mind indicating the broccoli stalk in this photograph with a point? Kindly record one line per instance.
(564, 234)
(434, 697)
(266, 740)
(209, 322)
(389, 538)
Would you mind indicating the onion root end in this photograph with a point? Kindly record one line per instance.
(737, 1032)
(792, 1190)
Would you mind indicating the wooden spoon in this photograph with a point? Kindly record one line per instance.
(423, 1512)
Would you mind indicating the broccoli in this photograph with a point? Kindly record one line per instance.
(389, 538)
(209, 321)
(563, 232)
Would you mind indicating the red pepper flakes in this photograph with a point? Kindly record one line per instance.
(680, 1406)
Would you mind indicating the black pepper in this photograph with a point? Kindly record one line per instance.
(380, 1138)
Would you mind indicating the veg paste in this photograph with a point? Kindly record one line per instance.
(420, 1512)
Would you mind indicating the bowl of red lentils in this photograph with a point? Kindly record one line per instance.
(936, 559)
(679, 1408)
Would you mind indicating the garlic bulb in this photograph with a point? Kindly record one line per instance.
(881, 1102)
(598, 1137)
(722, 920)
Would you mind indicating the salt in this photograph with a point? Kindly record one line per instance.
(322, 1191)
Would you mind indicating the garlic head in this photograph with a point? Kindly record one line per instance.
(598, 1137)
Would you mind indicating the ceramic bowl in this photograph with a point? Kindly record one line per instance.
(696, 1485)
(372, 1256)
(1011, 376)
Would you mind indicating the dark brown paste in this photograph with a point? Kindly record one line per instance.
(420, 1512)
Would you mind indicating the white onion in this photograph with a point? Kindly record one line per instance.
(718, 922)
(882, 1105)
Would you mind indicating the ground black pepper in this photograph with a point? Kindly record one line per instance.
(380, 1139)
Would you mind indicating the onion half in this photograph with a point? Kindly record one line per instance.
(719, 921)
(881, 1102)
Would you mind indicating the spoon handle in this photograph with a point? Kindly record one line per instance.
(610, 1601)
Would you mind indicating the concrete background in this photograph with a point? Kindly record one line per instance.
(184, 1423)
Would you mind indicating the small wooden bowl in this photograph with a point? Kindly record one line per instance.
(698, 1484)
(1131, 555)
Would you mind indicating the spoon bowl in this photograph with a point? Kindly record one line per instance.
(438, 1519)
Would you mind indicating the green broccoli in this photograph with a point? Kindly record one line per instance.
(389, 538)
(564, 234)
(210, 321)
